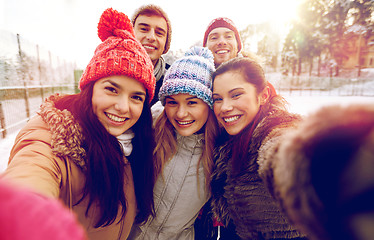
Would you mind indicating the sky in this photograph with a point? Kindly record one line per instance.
(68, 28)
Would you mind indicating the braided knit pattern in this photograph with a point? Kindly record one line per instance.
(191, 74)
(119, 53)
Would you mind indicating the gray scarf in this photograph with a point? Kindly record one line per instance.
(125, 140)
(159, 68)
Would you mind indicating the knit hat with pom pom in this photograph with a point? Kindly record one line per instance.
(119, 53)
(191, 74)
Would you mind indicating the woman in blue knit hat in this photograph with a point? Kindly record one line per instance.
(185, 131)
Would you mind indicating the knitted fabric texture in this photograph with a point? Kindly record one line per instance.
(226, 23)
(151, 10)
(191, 74)
(119, 53)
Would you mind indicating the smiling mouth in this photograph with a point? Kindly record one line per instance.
(231, 119)
(115, 118)
(149, 47)
(184, 122)
(222, 51)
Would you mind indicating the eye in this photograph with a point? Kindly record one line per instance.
(160, 33)
(138, 98)
(217, 99)
(192, 102)
(171, 102)
(111, 89)
(236, 95)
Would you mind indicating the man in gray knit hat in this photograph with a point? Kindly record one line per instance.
(153, 30)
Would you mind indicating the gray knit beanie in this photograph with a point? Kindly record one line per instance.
(191, 74)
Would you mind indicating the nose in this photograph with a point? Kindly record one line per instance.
(221, 40)
(182, 112)
(122, 105)
(226, 106)
(151, 35)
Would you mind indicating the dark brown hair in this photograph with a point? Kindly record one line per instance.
(253, 73)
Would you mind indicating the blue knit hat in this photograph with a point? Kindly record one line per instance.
(191, 74)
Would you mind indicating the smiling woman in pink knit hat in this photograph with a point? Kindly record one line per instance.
(79, 147)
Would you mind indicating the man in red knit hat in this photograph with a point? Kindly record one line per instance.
(223, 39)
(153, 30)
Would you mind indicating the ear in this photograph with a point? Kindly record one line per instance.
(264, 95)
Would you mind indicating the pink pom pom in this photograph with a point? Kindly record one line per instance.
(112, 20)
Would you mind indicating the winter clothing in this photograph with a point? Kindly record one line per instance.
(226, 23)
(154, 10)
(191, 74)
(178, 194)
(159, 72)
(48, 158)
(26, 215)
(244, 197)
(328, 190)
(119, 53)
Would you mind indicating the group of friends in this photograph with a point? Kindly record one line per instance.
(202, 148)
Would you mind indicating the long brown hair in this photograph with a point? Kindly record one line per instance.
(166, 144)
(253, 73)
(104, 160)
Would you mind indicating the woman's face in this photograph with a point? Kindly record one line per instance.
(236, 101)
(188, 114)
(118, 102)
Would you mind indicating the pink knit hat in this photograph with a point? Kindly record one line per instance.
(119, 53)
(226, 23)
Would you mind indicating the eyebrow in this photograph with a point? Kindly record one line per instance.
(157, 28)
(232, 90)
(119, 87)
(144, 24)
(227, 32)
(189, 98)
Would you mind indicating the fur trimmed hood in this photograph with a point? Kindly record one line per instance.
(67, 134)
(245, 197)
(325, 168)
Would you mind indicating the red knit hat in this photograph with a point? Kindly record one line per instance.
(119, 53)
(226, 23)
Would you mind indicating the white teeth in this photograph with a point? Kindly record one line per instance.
(115, 118)
(149, 47)
(222, 51)
(231, 119)
(185, 122)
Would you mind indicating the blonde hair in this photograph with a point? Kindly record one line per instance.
(166, 144)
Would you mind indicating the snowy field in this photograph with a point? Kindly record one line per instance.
(303, 105)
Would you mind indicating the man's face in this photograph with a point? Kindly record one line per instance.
(151, 32)
(222, 42)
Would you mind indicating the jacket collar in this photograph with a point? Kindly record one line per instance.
(67, 134)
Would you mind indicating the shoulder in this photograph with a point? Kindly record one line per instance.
(276, 121)
(156, 110)
(66, 133)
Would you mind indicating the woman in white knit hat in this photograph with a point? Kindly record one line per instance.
(184, 132)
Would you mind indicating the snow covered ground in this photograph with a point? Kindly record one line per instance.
(299, 104)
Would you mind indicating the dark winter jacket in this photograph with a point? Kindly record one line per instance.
(159, 82)
(246, 198)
